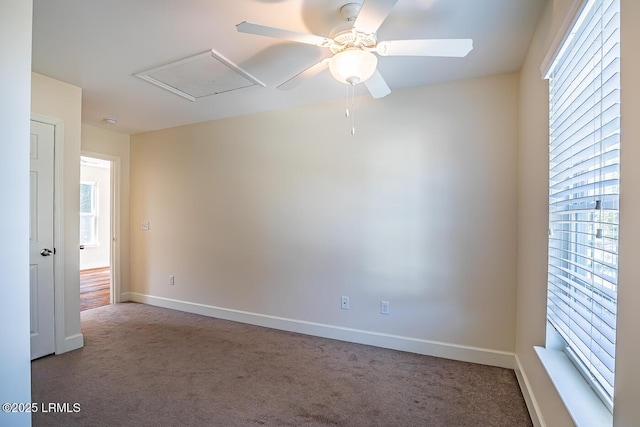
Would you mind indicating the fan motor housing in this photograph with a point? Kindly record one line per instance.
(351, 38)
(345, 36)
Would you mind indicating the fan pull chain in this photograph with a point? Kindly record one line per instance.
(350, 111)
(346, 111)
(353, 109)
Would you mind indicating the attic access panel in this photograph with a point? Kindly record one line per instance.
(204, 74)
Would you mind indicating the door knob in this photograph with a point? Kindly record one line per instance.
(46, 252)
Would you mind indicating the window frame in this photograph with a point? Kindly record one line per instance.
(93, 214)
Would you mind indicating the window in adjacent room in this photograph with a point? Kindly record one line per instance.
(584, 154)
(88, 213)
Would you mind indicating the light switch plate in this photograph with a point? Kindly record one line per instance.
(384, 307)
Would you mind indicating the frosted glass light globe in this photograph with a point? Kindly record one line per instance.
(353, 66)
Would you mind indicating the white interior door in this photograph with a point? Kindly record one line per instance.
(41, 251)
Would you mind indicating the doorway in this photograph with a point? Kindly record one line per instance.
(96, 234)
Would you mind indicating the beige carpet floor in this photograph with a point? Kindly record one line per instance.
(148, 366)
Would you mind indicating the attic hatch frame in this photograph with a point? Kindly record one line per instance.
(239, 78)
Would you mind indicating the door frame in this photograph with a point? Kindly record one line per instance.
(58, 229)
(114, 239)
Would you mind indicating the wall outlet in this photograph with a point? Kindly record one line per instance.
(144, 225)
(172, 280)
(384, 307)
(344, 303)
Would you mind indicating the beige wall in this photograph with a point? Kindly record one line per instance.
(62, 101)
(115, 146)
(15, 57)
(533, 221)
(281, 213)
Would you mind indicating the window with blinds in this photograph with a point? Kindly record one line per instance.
(584, 154)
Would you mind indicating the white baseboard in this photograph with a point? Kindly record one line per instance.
(529, 398)
(430, 348)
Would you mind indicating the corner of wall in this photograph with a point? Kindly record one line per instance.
(15, 49)
(529, 397)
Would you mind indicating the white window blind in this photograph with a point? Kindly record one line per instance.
(584, 153)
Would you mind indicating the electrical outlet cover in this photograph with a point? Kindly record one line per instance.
(344, 303)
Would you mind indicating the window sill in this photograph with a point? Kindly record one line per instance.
(584, 406)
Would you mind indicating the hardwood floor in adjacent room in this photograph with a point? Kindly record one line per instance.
(95, 288)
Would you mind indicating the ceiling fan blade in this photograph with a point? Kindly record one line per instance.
(376, 85)
(372, 15)
(434, 47)
(305, 75)
(279, 33)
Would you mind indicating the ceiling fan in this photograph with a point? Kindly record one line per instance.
(353, 43)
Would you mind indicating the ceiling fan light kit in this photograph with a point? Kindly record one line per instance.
(353, 66)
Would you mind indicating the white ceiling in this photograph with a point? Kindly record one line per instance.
(99, 44)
